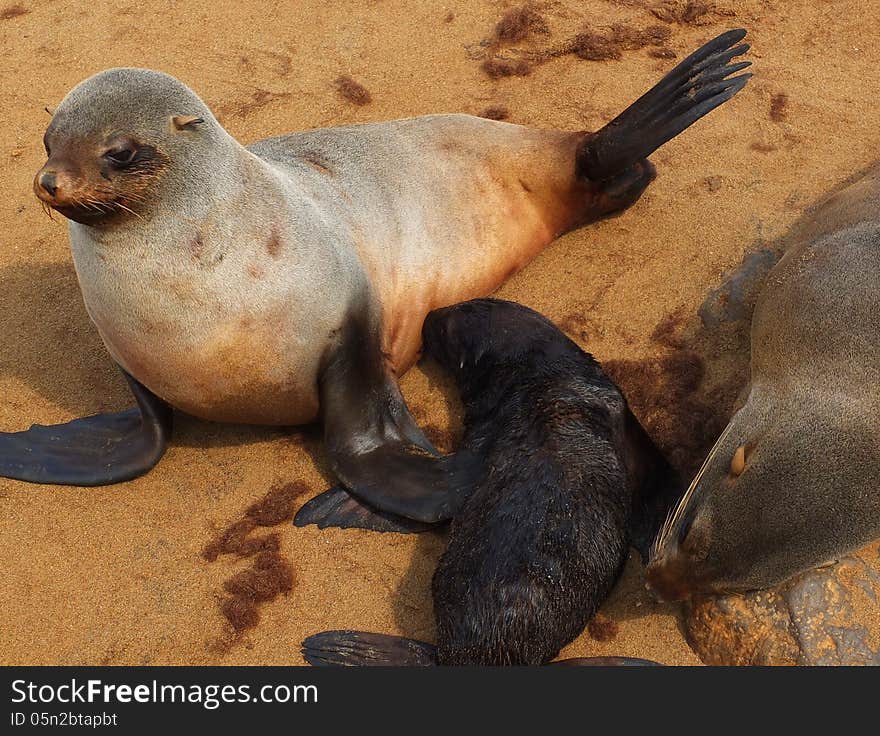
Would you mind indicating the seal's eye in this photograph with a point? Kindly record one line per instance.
(120, 156)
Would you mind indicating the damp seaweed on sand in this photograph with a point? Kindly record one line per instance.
(518, 24)
(593, 46)
(230, 540)
(241, 613)
(498, 68)
(779, 107)
(352, 91)
(269, 574)
(277, 506)
(630, 39)
(269, 577)
(602, 628)
(495, 112)
(609, 45)
(688, 12)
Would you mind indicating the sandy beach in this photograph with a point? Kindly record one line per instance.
(117, 575)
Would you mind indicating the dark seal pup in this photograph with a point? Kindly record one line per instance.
(792, 483)
(560, 468)
(288, 281)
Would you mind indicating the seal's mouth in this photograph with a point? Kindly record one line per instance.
(81, 204)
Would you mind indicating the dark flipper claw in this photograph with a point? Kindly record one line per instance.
(337, 508)
(361, 649)
(692, 89)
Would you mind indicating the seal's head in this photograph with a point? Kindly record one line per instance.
(767, 503)
(113, 141)
(481, 333)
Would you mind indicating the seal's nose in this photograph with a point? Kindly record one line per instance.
(48, 182)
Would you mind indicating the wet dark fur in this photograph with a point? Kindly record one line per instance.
(538, 545)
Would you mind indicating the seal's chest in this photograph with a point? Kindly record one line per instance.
(212, 352)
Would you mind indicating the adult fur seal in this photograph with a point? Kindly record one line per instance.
(288, 281)
(792, 481)
(560, 468)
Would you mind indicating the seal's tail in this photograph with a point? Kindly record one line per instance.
(360, 649)
(695, 87)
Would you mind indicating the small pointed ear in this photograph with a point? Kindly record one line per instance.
(738, 462)
(182, 122)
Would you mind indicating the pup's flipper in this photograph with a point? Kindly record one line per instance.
(94, 451)
(375, 447)
(338, 508)
(607, 662)
(695, 87)
(360, 649)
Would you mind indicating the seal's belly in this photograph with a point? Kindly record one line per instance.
(241, 371)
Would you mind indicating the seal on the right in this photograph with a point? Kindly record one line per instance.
(791, 484)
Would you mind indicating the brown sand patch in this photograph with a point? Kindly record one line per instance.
(257, 100)
(495, 112)
(13, 11)
(778, 107)
(664, 392)
(352, 91)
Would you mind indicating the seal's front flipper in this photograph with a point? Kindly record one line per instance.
(360, 649)
(337, 508)
(374, 445)
(94, 451)
(695, 87)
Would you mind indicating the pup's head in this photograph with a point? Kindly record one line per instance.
(483, 333)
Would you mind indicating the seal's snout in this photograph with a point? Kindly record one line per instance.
(48, 182)
(53, 185)
(667, 575)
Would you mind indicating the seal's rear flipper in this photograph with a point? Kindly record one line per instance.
(695, 87)
(94, 451)
(338, 508)
(360, 649)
